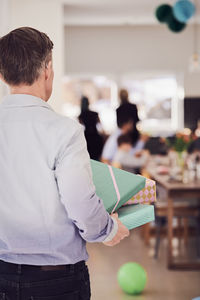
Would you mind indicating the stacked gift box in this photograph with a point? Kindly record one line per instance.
(127, 194)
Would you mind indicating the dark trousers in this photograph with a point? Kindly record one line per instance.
(24, 282)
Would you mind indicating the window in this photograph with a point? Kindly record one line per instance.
(102, 94)
(157, 99)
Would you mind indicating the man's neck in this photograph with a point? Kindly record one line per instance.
(32, 90)
(124, 131)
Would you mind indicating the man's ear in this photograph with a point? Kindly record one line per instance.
(48, 70)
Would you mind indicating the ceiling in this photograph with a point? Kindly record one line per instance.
(113, 12)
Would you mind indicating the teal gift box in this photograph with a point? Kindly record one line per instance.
(106, 178)
(136, 215)
(115, 187)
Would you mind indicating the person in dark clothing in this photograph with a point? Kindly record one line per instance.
(127, 109)
(124, 103)
(90, 119)
(194, 146)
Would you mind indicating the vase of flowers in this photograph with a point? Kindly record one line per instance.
(178, 148)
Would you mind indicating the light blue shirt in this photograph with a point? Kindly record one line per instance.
(111, 146)
(48, 205)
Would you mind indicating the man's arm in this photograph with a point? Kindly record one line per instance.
(77, 192)
(138, 146)
(128, 160)
(109, 149)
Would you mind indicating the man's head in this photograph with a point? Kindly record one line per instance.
(26, 59)
(123, 95)
(124, 142)
(84, 103)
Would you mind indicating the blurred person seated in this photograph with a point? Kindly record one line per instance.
(157, 145)
(129, 111)
(90, 119)
(123, 157)
(195, 145)
(194, 151)
(125, 126)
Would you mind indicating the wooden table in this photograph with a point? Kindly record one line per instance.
(176, 190)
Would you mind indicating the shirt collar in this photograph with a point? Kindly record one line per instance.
(21, 100)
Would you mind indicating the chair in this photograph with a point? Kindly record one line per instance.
(182, 212)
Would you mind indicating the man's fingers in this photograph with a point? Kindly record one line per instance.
(116, 240)
(112, 243)
(127, 232)
(115, 215)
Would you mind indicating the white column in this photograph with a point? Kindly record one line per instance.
(46, 16)
(4, 27)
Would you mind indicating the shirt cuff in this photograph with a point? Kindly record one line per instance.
(113, 231)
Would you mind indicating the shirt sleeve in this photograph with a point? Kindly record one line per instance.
(77, 191)
(139, 146)
(109, 149)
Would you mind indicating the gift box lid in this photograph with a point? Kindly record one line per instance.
(128, 184)
(136, 215)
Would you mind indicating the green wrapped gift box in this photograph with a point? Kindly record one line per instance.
(107, 179)
(136, 215)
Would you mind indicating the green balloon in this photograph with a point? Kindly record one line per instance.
(132, 278)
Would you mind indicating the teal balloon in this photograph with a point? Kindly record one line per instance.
(183, 10)
(132, 278)
(163, 12)
(174, 25)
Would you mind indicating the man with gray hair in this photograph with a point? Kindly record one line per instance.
(48, 204)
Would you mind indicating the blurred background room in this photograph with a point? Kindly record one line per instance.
(129, 72)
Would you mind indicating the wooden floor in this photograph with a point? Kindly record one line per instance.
(162, 284)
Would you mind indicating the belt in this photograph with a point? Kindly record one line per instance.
(18, 268)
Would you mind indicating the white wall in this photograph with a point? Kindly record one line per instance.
(130, 49)
(4, 16)
(4, 27)
(102, 49)
(46, 16)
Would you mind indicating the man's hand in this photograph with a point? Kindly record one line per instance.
(121, 233)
